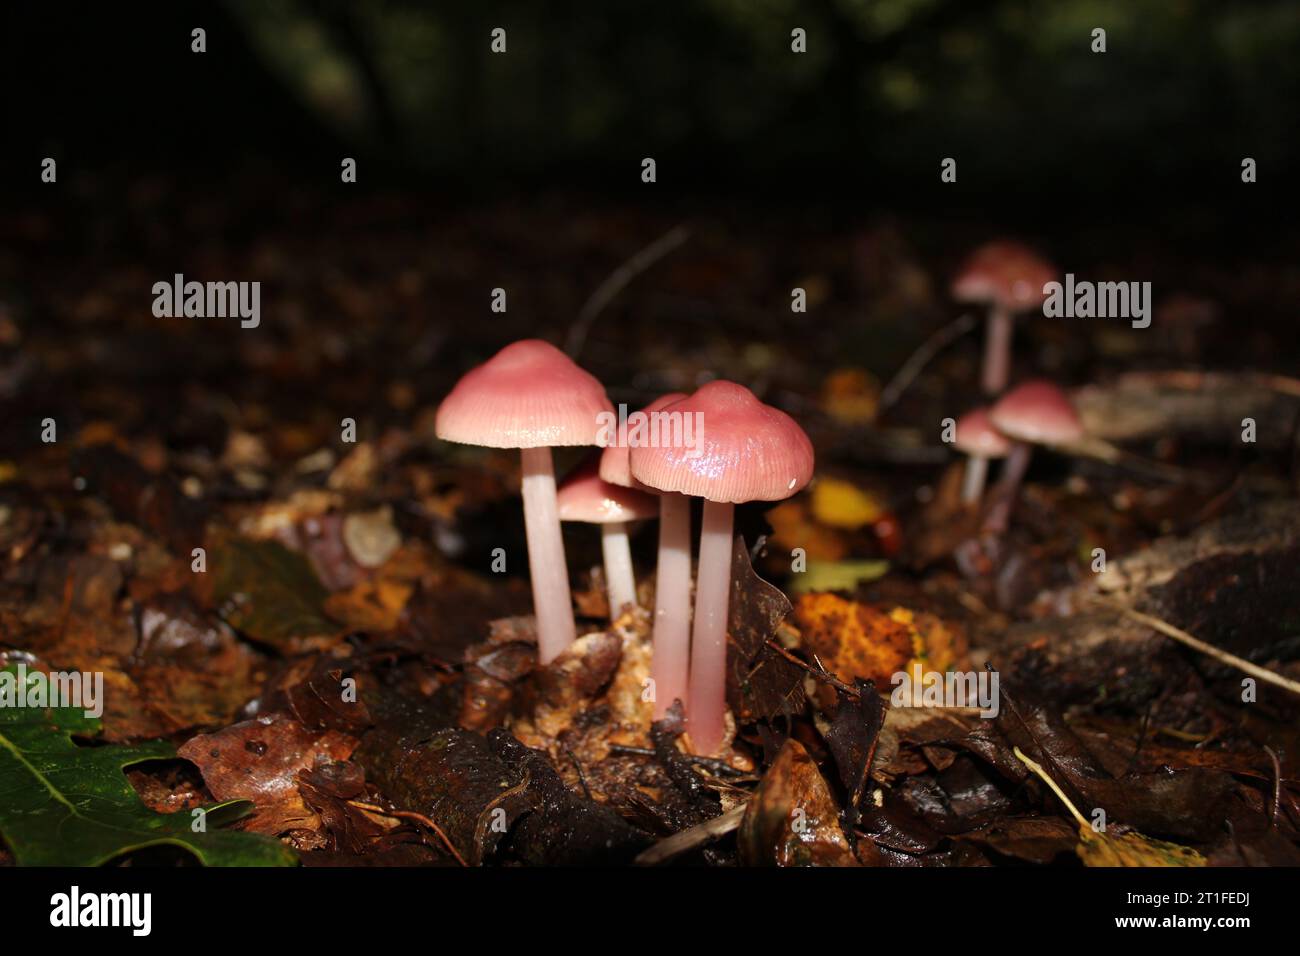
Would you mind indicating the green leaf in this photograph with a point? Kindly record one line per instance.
(66, 805)
(837, 575)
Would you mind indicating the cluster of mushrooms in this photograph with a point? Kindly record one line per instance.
(531, 396)
(1008, 278)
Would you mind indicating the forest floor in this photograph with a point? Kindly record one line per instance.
(311, 624)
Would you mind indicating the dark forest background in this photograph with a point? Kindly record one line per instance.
(710, 89)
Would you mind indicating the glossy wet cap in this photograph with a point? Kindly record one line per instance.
(1005, 272)
(528, 395)
(1037, 412)
(614, 465)
(976, 435)
(584, 496)
(744, 451)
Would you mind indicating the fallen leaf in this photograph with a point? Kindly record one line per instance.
(791, 819)
(761, 684)
(259, 760)
(68, 805)
(841, 504)
(271, 595)
(1124, 847)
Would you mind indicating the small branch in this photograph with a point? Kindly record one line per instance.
(1277, 786)
(617, 281)
(1232, 660)
(1042, 774)
(919, 359)
(821, 675)
(418, 818)
(680, 843)
(713, 763)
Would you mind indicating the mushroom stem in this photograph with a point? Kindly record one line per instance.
(705, 714)
(997, 350)
(619, 579)
(552, 602)
(972, 486)
(998, 518)
(672, 636)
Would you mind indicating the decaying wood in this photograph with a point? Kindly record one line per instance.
(1103, 635)
(696, 836)
(1266, 527)
(1209, 406)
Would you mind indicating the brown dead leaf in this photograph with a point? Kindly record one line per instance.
(259, 760)
(791, 819)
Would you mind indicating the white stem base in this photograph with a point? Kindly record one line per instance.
(552, 602)
(619, 579)
(708, 689)
(670, 666)
(972, 486)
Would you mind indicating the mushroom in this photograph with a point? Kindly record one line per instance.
(1009, 278)
(976, 436)
(747, 451)
(670, 664)
(531, 396)
(585, 497)
(1035, 413)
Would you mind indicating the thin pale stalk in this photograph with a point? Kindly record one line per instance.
(552, 602)
(997, 350)
(670, 666)
(972, 486)
(705, 715)
(619, 579)
(1004, 494)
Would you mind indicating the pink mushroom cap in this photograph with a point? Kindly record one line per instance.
(744, 451)
(614, 465)
(1008, 273)
(585, 497)
(1039, 413)
(528, 395)
(976, 435)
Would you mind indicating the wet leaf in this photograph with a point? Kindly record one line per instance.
(1123, 847)
(791, 819)
(271, 594)
(852, 738)
(761, 684)
(67, 805)
(259, 761)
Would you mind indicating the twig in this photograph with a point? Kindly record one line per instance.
(822, 675)
(919, 359)
(617, 281)
(577, 766)
(417, 817)
(680, 843)
(1277, 786)
(1232, 660)
(713, 763)
(1043, 775)
(1111, 454)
